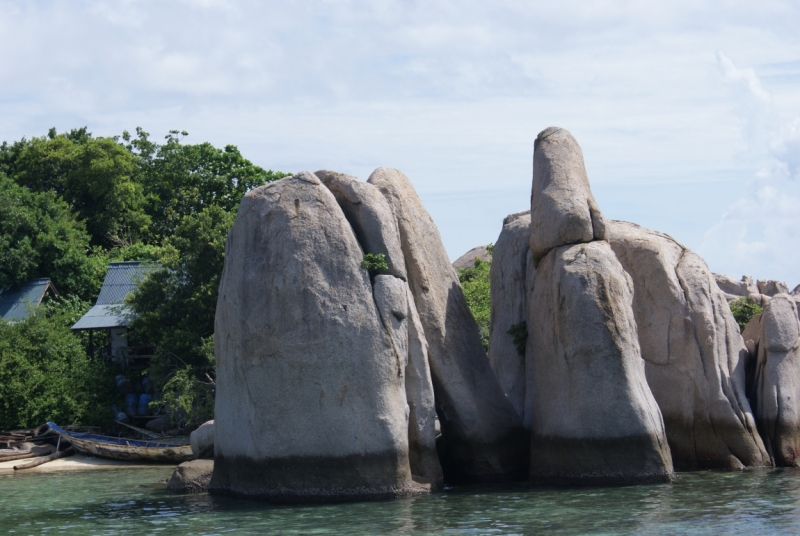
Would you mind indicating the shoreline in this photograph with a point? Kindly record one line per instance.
(77, 462)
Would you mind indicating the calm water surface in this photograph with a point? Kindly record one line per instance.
(130, 501)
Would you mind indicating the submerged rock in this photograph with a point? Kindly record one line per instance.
(482, 432)
(777, 381)
(510, 264)
(191, 477)
(311, 396)
(695, 359)
(563, 209)
(594, 419)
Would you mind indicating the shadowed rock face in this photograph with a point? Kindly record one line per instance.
(593, 417)
(484, 438)
(695, 358)
(422, 455)
(510, 264)
(311, 398)
(563, 209)
(399, 316)
(777, 381)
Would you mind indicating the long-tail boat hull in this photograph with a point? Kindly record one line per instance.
(117, 448)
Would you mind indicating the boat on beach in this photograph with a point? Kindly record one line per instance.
(172, 450)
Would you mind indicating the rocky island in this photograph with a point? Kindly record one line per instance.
(350, 367)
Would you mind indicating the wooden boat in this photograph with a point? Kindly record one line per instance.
(173, 450)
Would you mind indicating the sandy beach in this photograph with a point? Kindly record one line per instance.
(77, 462)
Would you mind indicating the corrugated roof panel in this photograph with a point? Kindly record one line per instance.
(121, 279)
(105, 317)
(20, 304)
(110, 311)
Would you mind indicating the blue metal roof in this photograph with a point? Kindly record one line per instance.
(110, 310)
(20, 304)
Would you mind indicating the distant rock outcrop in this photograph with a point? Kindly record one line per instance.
(777, 379)
(695, 359)
(467, 260)
(482, 432)
(734, 289)
(770, 287)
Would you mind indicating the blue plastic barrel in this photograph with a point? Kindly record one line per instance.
(144, 404)
(123, 384)
(130, 403)
(147, 385)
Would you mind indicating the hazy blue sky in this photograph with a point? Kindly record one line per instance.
(688, 112)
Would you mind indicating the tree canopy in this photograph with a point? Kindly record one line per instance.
(70, 203)
(41, 237)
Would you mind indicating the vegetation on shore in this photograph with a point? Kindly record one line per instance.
(71, 203)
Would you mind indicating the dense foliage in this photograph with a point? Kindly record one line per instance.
(41, 237)
(70, 203)
(46, 372)
(743, 311)
(475, 283)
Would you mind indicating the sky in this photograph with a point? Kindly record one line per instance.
(688, 112)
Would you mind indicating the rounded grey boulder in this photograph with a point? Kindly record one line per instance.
(694, 357)
(202, 440)
(777, 381)
(311, 401)
(191, 477)
(563, 209)
(593, 417)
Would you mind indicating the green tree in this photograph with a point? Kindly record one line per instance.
(176, 304)
(743, 311)
(40, 237)
(182, 180)
(93, 175)
(46, 373)
(476, 285)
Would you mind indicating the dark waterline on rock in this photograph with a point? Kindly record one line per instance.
(131, 502)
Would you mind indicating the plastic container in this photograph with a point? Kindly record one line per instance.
(147, 385)
(124, 384)
(130, 404)
(144, 405)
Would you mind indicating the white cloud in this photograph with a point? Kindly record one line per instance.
(759, 234)
(453, 93)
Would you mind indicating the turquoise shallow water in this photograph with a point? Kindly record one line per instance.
(131, 502)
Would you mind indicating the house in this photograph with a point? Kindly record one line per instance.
(110, 312)
(18, 305)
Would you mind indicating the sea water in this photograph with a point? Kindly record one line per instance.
(132, 501)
